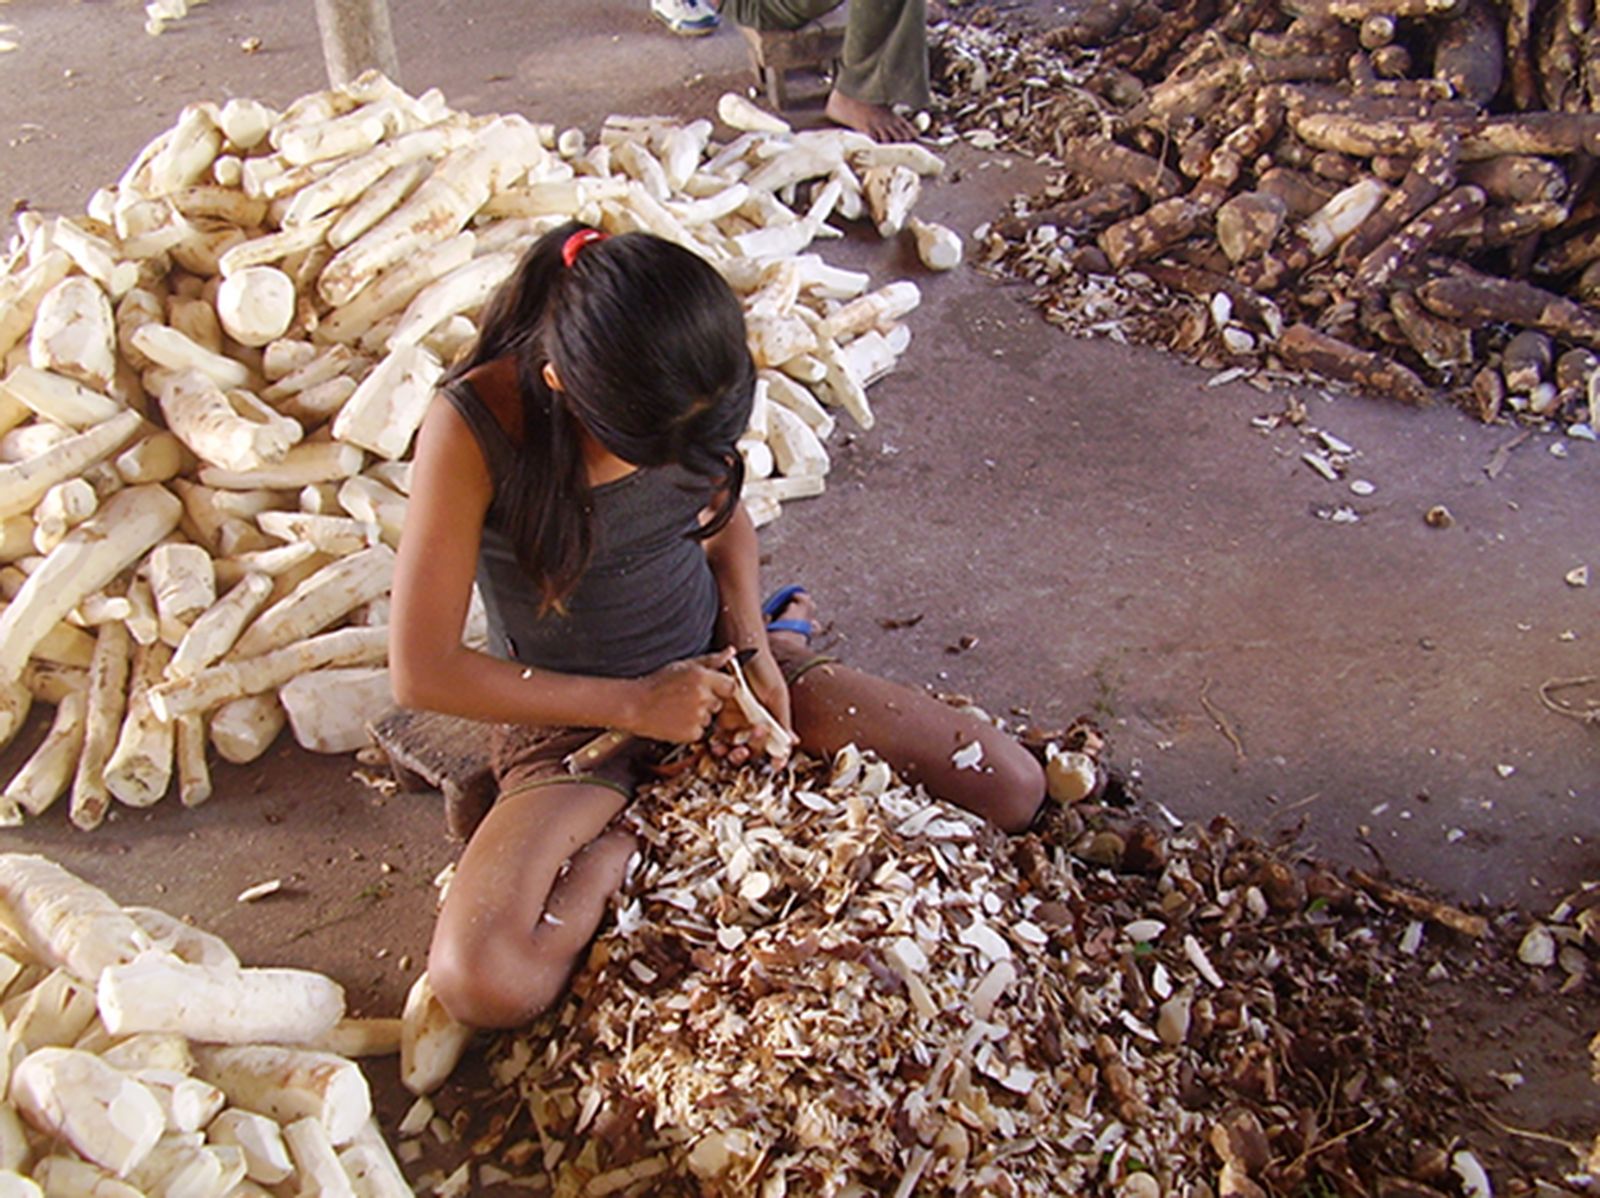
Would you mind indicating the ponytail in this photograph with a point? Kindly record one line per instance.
(544, 498)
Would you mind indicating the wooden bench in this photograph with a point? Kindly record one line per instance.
(814, 47)
(428, 751)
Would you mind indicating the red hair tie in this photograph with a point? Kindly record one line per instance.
(571, 246)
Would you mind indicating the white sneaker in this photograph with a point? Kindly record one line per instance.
(687, 18)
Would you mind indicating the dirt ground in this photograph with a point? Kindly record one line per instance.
(1105, 532)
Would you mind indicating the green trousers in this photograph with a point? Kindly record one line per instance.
(885, 57)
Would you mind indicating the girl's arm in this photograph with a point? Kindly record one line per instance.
(734, 554)
(429, 666)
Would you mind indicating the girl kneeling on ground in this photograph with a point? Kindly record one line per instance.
(580, 463)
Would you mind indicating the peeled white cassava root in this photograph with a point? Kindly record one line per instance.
(740, 113)
(260, 1139)
(290, 1083)
(939, 246)
(256, 305)
(892, 192)
(105, 1115)
(1342, 215)
(360, 1038)
(140, 766)
(252, 675)
(106, 701)
(81, 1179)
(244, 728)
(64, 921)
(330, 710)
(73, 334)
(219, 373)
(219, 1004)
(431, 1042)
(316, 1160)
(182, 940)
(47, 774)
(58, 398)
(23, 484)
(232, 429)
(372, 1169)
(129, 524)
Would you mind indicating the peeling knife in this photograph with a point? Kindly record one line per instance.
(608, 744)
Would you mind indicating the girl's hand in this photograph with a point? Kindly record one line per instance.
(736, 739)
(680, 700)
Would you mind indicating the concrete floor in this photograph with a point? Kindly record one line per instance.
(1115, 535)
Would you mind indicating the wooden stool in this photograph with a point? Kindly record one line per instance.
(775, 52)
(428, 751)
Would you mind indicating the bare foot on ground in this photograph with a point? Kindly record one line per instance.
(875, 120)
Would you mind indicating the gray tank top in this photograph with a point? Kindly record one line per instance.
(648, 596)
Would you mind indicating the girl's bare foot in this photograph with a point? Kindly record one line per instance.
(877, 121)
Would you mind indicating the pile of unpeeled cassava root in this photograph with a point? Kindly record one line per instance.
(142, 1058)
(1396, 194)
(212, 380)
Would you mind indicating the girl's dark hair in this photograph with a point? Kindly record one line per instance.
(648, 342)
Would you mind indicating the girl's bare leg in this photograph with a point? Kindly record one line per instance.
(514, 925)
(834, 705)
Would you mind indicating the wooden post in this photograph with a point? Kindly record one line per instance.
(356, 36)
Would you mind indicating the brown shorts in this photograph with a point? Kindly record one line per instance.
(525, 758)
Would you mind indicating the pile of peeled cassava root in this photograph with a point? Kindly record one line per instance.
(1396, 194)
(211, 383)
(820, 981)
(142, 1058)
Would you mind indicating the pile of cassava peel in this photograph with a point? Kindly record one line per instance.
(820, 981)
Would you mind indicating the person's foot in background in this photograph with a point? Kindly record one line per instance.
(687, 18)
(877, 121)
